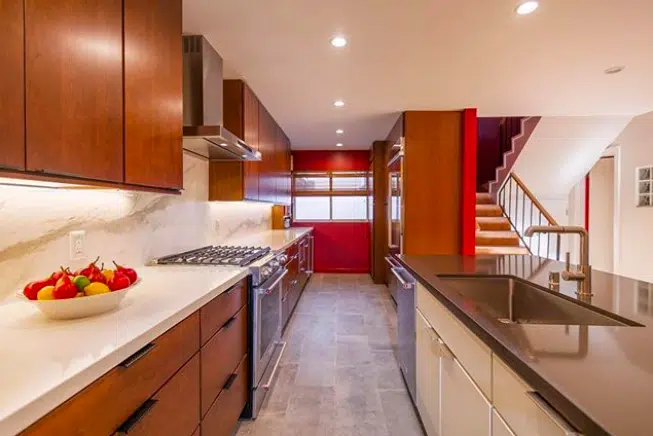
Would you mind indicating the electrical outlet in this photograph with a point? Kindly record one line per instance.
(76, 239)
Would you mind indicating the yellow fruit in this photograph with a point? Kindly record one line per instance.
(45, 293)
(108, 273)
(96, 288)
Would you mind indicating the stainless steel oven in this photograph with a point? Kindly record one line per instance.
(267, 347)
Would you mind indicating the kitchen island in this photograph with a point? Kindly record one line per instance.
(599, 378)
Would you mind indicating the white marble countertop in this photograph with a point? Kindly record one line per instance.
(277, 240)
(45, 362)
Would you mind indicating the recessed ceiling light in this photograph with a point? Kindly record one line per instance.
(340, 132)
(614, 70)
(339, 144)
(528, 7)
(338, 41)
(338, 103)
(224, 144)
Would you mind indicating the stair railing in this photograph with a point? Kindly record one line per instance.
(523, 210)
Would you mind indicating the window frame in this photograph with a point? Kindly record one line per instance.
(366, 192)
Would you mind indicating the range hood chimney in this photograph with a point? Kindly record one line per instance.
(204, 132)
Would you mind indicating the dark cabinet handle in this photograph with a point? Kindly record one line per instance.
(135, 417)
(228, 322)
(137, 356)
(230, 381)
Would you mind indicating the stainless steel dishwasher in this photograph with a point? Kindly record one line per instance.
(404, 291)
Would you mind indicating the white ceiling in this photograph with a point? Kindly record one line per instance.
(429, 54)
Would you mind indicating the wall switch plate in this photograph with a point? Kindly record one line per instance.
(76, 239)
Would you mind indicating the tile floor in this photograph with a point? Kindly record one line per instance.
(339, 376)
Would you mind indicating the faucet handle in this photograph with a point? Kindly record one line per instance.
(568, 261)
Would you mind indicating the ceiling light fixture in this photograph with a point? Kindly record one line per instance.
(338, 103)
(224, 144)
(338, 41)
(614, 70)
(526, 8)
(339, 132)
(339, 144)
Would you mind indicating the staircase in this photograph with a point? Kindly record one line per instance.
(494, 235)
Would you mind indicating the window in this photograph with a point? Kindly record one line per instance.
(644, 186)
(328, 196)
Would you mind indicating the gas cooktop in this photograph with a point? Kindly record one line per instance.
(216, 255)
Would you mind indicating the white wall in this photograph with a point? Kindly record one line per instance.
(602, 216)
(560, 152)
(131, 227)
(635, 229)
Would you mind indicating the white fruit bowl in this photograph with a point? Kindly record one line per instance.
(82, 307)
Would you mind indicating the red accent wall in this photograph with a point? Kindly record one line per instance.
(468, 197)
(489, 150)
(340, 247)
(331, 160)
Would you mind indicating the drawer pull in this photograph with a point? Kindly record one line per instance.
(552, 414)
(230, 381)
(137, 356)
(445, 352)
(135, 417)
(228, 322)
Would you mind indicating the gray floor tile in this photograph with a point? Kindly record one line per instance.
(339, 375)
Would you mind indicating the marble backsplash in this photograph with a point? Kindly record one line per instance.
(130, 227)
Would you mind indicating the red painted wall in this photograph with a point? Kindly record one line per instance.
(331, 160)
(468, 197)
(340, 247)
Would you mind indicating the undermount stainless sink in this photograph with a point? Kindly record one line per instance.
(513, 301)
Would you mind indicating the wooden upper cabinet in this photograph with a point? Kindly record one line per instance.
(153, 93)
(74, 87)
(267, 136)
(236, 180)
(12, 97)
(251, 168)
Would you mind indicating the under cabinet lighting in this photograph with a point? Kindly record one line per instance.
(338, 41)
(338, 103)
(339, 144)
(340, 132)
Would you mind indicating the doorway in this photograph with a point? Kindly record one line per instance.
(601, 220)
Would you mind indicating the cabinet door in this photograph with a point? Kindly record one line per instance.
(465, 410)
(499, 426)
(428, 376)
(153, 93)
(251, 168)
(266, 147)
(12, 85)
(74, 88)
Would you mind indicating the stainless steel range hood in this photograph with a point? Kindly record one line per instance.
(204, 133)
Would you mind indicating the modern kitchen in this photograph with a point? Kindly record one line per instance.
(231, 219)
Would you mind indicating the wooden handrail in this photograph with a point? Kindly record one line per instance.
(532, 197)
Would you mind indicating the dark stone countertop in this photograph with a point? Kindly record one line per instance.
(599, 378)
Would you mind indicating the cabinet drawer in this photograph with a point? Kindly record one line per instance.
(471, 352)
(518, 405)
(104, 405)
(221, 308)
(224, 413)
(221, 355)
(499, 426)
(173, 410)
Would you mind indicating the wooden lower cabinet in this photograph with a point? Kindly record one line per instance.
(167, 386)
(106, 404)
(221, 354)
(223, 414)
(173, 410)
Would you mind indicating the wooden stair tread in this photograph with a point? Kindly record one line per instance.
(497, 234)
(501, 250)
(492, 223)
(488, 210)
(484, 198)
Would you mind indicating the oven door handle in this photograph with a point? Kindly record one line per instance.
(269, 289)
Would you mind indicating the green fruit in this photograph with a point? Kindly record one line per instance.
(81, 282)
